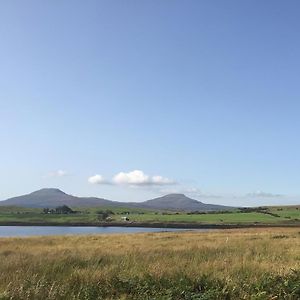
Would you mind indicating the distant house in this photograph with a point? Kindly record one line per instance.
(124, 218)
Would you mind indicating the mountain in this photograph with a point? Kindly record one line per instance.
(54, 197)
(181, 202)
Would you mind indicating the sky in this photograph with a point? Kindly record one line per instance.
(130, 100)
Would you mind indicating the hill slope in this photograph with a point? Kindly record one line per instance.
(55, 197)
(181, 202)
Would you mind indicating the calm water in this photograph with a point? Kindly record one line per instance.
(17, 231)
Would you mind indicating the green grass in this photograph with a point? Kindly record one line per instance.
(116, 210)
(282, 215)
(17, 210)
(42, 218)
(292, 212)
(207, 218)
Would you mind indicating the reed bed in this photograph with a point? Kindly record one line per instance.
(225, 264)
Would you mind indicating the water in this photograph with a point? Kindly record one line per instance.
(19, 231)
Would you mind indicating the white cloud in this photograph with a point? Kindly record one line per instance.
(97, 179)
(139, 178)
(58, 173)
(161, 180)
(263, 194)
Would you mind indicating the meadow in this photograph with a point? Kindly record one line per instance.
(224, 264)
(272, 215)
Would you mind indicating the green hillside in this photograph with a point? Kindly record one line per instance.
(107, 214)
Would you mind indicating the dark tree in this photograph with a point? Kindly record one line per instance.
(102, 216)
(63, 210)
(46, 210)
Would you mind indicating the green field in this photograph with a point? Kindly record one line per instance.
(272, 215)
(288, 212)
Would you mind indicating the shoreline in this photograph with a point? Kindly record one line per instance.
(178, 225)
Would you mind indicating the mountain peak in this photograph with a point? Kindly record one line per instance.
(53, 197)
(175, 195)
(47, 191)
(181, 202)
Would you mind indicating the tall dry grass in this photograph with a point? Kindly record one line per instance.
(227, 264)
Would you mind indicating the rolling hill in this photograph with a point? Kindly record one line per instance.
(181, 202)
(50, 197)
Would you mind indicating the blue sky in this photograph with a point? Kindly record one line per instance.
(204, 95)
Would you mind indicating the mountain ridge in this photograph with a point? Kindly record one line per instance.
(52, 197)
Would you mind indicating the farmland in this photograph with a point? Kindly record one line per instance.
(92, 216)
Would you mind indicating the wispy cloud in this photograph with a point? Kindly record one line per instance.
(263, 194)
(189, 191)
(57, 173)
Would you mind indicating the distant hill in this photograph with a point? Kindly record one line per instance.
(181, 202)
(54, 197)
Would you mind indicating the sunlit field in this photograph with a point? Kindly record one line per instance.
(274, 215)
(228, 264)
